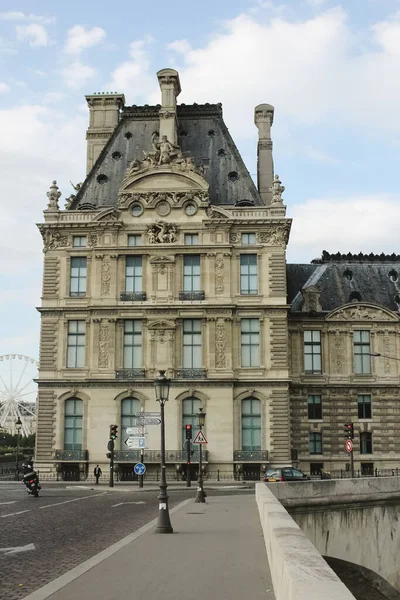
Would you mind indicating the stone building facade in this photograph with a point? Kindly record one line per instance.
(169, 257)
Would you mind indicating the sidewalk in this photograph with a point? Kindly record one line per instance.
(216, 552)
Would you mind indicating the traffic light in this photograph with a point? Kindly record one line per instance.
(188, 432)
(113, 432)
(108, 454)
(349, 431)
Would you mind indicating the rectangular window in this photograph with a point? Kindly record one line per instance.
(191, 273)
(192, 358)
(133, 344)
(366, 442)
(314, 407)
(73, 424)
(248, 238)
(78, 276)
(134, 240)
(250, 342)
(362, 359)
(251, 424)
(76, 344)
(248, 274)
(79, 241)
(191, 239)
(364, 407)
(133, 274)
(312, 352)
(315, 442)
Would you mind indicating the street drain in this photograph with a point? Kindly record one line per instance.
(195, 513)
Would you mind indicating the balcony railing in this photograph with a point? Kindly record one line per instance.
(72, 455)
(133, 296)
(250, 455)
(192, 295)
(154, 456)
(129, 373)
(190, 373)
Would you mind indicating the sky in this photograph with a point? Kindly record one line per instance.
(331, 70)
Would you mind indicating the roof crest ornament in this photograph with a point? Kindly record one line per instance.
(53, 195)
(277, 190)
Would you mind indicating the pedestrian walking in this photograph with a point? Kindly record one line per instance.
(97, 473)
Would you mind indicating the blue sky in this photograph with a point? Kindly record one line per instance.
(331, 69)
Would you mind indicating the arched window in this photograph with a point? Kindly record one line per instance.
(190, 408)
(73, 424)
(251, 424)
(129, 408)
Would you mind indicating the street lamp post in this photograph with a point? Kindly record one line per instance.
(18, 425)
(161, 385)
(200, 496)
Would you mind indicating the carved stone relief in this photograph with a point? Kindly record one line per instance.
(219, 275)
(361, 313)
(151, 199)
(106, 276)
(104, 339)
(162, 233)
(54, 239)
(220, 345)
(274, 237)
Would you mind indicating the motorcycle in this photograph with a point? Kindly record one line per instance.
(31, 481)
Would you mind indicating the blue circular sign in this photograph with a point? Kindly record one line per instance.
(140, 469)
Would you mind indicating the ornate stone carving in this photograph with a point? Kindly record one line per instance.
(220, 345)
(104, 338)
(54, 239)
(69, 201)
(361, 313)
(338, 352)
(161, 233)
(53, 195)
(93, 239)
(234, 238)
(154, 198)
(311, 299)
(274, 237)
(277, 190)
(219, 275)
(106, 276)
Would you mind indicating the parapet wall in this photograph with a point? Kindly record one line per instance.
(298, 571)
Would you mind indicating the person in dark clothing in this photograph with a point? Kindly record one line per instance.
(97, 473)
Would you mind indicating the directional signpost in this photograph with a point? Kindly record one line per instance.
(140, 431)
(148, 418)
(135, 442)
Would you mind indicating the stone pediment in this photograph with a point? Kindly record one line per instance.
(163, 179)
(108, 215)
(162, 260)
(161, 325)
(362, 312)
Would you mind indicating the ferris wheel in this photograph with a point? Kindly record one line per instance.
(18, 393)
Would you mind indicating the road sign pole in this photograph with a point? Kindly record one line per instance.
(142, 461)
(188, 480)
(111, 483)
(352, 464)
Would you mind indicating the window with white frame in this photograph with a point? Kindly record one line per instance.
(190, 408)
(133, 344)
(134, 240)
(314, 405)
(248, 274)
(191, 273)
(248, 238)
(191, 239)
(366, 442)
(192, 350)
(73, 426)
(79, 241)
(364, 406)
(133, 274)
(250, 342)
(312, 352)
(315, 442)
(362, 349)
(76, 344)
(251, 424)
(78, 276)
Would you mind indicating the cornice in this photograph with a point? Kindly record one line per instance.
(181, 383)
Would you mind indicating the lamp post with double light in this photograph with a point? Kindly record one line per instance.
(18, 425)
(200, 496)
(162, 385)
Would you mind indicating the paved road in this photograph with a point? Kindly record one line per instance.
(67, 525)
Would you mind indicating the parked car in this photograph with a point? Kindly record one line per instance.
(285, 474)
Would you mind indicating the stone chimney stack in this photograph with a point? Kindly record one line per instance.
(170, 89)
(263, 119)
(104, 109)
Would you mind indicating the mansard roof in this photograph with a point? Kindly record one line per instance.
(343, 281)
(202, 135)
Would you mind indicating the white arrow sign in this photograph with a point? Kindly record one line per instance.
(135, 442)
(18, 549)
(135, 431)
(149, 421)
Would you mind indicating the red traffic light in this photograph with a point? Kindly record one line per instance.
(188, 432)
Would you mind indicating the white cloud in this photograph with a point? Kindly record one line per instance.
(344, 224)
(132, 76)
(4, 88)
(180, 46)
(387, 34)
(319, 155)
(34, 33)
(80, 38)
(77, 74)
(20, 16)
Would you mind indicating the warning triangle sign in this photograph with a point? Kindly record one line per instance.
(200, 438)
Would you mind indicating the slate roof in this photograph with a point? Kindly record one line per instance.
(202, 134)
(345, 281)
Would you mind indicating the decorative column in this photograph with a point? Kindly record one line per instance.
(170, 88)
(263, 119)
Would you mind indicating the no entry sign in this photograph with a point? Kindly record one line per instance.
(349, 445)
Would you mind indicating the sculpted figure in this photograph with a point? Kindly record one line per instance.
(168, 151)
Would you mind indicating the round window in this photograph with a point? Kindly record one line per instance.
(190, 209)
(136, 209)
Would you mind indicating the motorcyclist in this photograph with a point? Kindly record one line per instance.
(29, 472)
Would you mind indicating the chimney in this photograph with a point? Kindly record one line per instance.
(104, 108)
(263, 119)
(170, 88)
